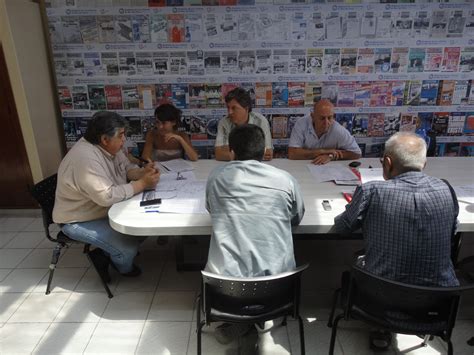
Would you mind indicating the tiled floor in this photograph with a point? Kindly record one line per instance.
(153, 314)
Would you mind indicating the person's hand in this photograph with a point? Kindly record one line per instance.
(150, 178)
(170, 136)
(268, 155)
(321, 159)
(149, 165)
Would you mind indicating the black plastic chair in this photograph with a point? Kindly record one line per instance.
(249, 300)
(44, 193)
(397, 307)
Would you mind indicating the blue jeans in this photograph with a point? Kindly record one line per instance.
(122, 248)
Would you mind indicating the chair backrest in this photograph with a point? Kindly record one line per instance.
(44, 193)
(380, 297)
(251, 296)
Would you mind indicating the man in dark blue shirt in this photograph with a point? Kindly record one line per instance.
(407, 222)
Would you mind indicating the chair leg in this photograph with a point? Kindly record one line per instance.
(52, 266)
(302, 344)
(334, 305)
(333, 333)
(450, 347)
(199, 324)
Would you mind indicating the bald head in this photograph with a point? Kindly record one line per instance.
(323, 104)
(323, 116)
(407, 151)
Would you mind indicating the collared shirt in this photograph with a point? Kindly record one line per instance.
(337, 137)
(90, 180)
(407, 223)
(225, 126)
(252, 206)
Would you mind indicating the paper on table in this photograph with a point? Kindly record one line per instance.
(465, 193)
(176, 165)
(375, 174)
(169, 182)
(348, 182)
(330, 172)
(190, 198)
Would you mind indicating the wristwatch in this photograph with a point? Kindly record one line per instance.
(331, 156)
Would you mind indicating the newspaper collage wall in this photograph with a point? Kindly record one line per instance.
(386, 67)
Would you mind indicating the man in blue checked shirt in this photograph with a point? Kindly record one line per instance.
(407, 221)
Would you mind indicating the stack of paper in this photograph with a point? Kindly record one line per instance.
(338, 172)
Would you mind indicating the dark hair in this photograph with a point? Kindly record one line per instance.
(247, 142)
(241, 96)
(167, 112)
(104, 122)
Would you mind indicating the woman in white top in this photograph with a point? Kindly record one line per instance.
(164, 142)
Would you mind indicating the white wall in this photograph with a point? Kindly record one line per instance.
(23, 41)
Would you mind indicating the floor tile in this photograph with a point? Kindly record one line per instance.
(64, 280)
(411, 344)
(39, 308)
(128, 306)
(164, 338)
(91, 282)
(173, 306)
(65, 338)
(22, 280)
(9, 303)
(4, 273)
(354, 339)
(83, 307)
(5, 238)
(152, 265)
(25, 240)
(463, 331)
(73, 257)
(35, 226)
(209, 344)
(115, 338)
(274, 341)
(172, 280)
(15, 224)
(11, 258)
(21, 338)
(38, 258)
(317, 337)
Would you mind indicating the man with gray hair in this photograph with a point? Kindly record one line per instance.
(93, 176)
(407, 221)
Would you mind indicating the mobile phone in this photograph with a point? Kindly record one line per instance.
(155, 201)
(326, 205)
(354, 164)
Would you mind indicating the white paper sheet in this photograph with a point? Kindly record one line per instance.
(465, 193)
(170, 182)
(176, 165)
(330, 172)
(190, 198)
(375, 174)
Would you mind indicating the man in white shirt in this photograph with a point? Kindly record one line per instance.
(320, 138)
(93, 176)
(239, 108)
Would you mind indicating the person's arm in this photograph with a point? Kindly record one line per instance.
(187, 147)
(222, 153)
(297, 210)
(306, 154)
(148, 148)
(352, 218)
(268, 155)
